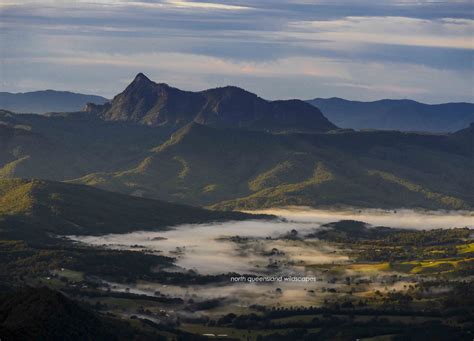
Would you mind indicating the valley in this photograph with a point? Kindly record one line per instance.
(307, 272)
(236, 170)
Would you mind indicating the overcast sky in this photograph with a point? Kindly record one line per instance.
(363, 49)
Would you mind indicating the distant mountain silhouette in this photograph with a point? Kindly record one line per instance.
(146, 102)
(41, 102)
(405, 115)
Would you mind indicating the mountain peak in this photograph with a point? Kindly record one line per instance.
(140, 77)
(141, 82)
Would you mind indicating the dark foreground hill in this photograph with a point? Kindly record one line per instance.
(60, 208)
(150, 103)
(46, 314)
(43, 314)
(40, 102)
(405, 115)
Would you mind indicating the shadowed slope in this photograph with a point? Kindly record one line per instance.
(45, 314)
(34, 314)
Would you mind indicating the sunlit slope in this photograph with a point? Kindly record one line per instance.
(76, 209)
(242, 169)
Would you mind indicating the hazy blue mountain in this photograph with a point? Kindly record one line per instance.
(405, 115)
(40, 102)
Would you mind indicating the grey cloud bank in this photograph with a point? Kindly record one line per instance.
(279, 49)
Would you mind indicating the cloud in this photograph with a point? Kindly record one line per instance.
(445, 33)
(126, 3)
(281, 48)
(207, 5)
(288, 77)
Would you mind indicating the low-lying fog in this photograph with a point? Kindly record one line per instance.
(210, 248)
(254, 247)
(215, 249)
(401, 218)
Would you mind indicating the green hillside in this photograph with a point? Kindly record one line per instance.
(59, 208)
(241, 169)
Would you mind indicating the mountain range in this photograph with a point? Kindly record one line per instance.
(229, 149)
(41, 102)
(158, 104)
(404, 115)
